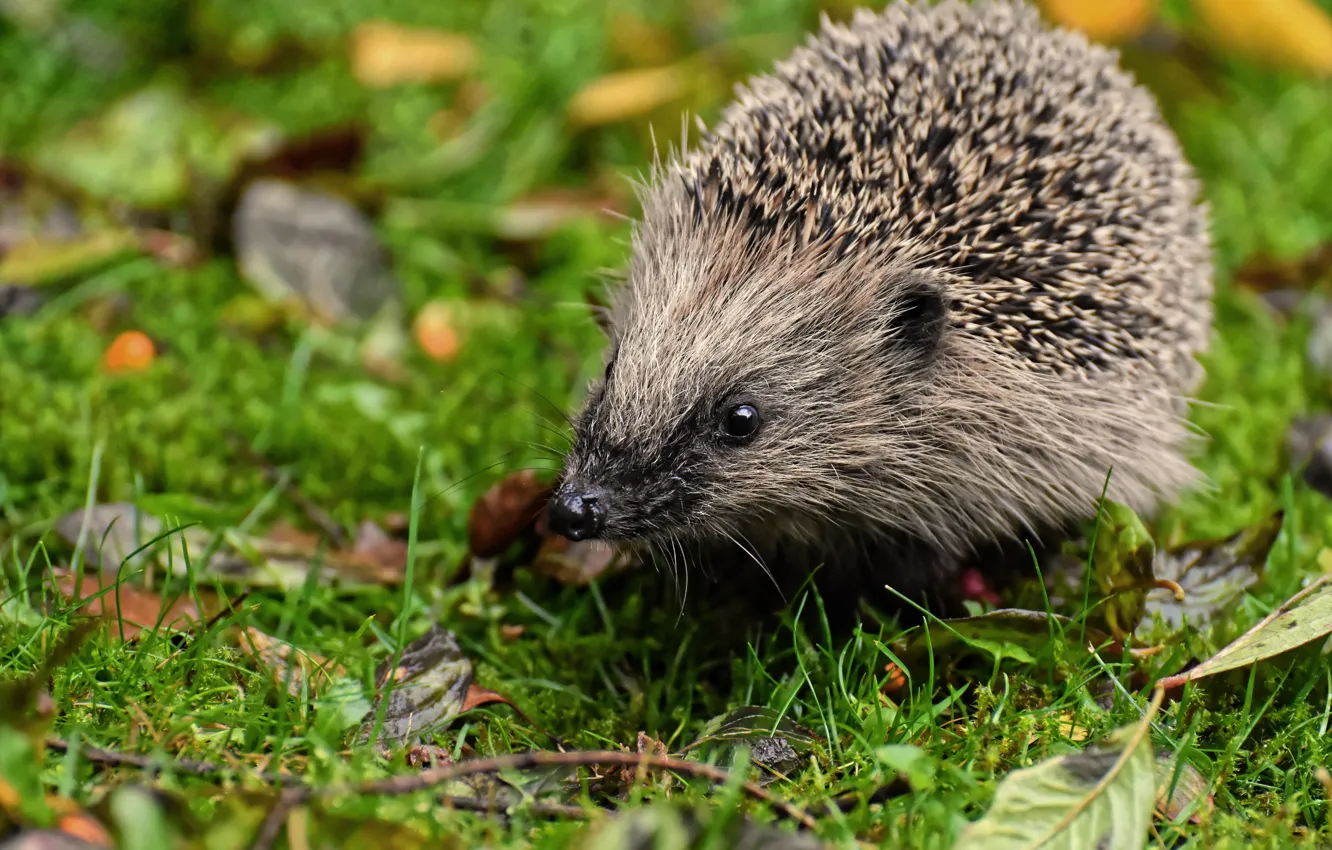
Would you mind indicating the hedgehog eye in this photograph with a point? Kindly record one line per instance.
(740, 424)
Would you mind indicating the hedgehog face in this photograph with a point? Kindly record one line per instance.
(755, 399)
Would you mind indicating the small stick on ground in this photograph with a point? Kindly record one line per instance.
(153, 766)
(408, 784)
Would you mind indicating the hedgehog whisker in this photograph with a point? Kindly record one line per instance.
(749, 550)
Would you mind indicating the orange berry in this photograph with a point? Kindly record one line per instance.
(132, 351)
(435, 333)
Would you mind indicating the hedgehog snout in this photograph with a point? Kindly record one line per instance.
(577, 512)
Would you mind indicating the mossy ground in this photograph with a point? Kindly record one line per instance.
(593, 666)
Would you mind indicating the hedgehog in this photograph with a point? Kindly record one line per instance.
(936, 283)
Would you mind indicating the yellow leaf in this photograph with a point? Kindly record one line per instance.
(1293, 34)
(1103, 20)
(625, 95)
(385, 54)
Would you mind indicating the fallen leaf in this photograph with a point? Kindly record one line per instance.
(84, 827)
(284, 559)
(36, 263)
(146, 150)
(578, 563)
(117, 530)
(1102, 797)
(625, 95)
(277, 656)
(1294, 34)
(130, 608)
(131, 351)
(385, 54)
(293, 242)
(478, 696)
(507, 510)
(1122, 560)
(430, 688)
(375, 548)
(1305, 617)
(1265, 273)
(1177, 789)
(1213, 575)
(1103, 20)
(751, 722)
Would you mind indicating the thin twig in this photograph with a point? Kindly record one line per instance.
(151, 765)
(410, 783)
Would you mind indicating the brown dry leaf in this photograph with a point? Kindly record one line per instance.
(375, 548)
(625, 95)
(277, 656)
(508, 509)
(1175, 793)
(1103, 20)
(578, 563)
(1070, 728)
(137, 608)
(386, 54)
(284, 532)
(1294, 34)
(1265, 273)
(478, 696)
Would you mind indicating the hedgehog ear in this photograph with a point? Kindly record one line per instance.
(919, 314)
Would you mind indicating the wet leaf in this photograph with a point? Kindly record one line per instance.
(751, 723)
(283, 559)
(1103, 20)
(1293, 34)
(507, 510)
(1176, 789)
(35, 263)
(626, 95)
(1006, 633)
(1213, 575)
(430, 687)
(144, 150)
(1305, 617)
(117, 530)
(289, 666)
(1265, 273)
(578, 563)
(1101, 797)
(386, 54)
(130, 608)
(1122, 567)
(314, 247)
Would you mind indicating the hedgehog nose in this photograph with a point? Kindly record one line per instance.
(576, 514)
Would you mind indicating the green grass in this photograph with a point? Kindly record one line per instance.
(594, 667)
